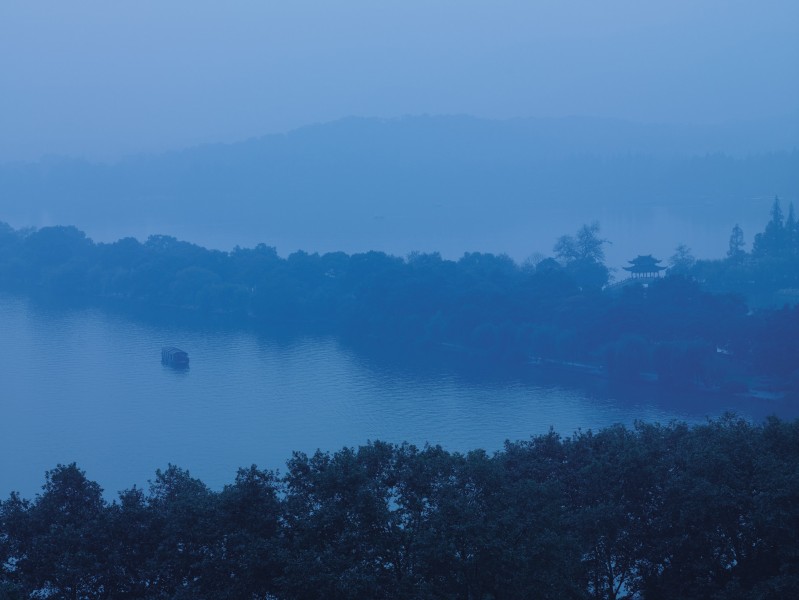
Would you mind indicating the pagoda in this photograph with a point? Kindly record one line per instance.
(644, 267)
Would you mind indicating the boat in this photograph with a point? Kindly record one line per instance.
(174, 357)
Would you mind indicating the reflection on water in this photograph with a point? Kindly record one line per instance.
(86, 386)
(177, 369)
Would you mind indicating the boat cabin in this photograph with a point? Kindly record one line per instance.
(174, 356)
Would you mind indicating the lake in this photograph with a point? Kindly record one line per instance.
(88, 386)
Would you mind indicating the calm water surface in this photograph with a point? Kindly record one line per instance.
(88, 386)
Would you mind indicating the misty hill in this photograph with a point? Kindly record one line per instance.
(429, 183)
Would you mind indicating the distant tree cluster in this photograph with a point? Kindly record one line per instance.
(768, 276)
(656, 512)
(583, 256)
(482, 305)
(781, 237)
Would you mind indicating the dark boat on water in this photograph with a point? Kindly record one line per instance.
(174, 357)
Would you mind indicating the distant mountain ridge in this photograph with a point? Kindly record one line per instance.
(461, 136)
(423, 183)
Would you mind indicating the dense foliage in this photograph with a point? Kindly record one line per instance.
(709, 511)
(675, 330)
(769, 274)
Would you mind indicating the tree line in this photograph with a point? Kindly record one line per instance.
(767, 275)
(692, 328)
(654, 511)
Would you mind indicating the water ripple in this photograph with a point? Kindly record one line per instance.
(80, 385)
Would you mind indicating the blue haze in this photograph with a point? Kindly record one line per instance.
(434, 184)
(100, 80)
(550, 85)
(232, 123)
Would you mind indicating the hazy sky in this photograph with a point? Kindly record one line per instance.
(100, 78)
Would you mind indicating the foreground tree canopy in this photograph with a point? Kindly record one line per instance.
(709, 511)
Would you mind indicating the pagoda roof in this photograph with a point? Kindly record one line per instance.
(644, 264)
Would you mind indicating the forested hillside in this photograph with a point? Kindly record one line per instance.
(448, 184)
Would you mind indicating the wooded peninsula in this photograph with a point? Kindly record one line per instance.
(729, 325)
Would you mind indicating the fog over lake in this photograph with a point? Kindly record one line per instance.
(400, 127)
(399, 299)
(87, 386)
(431, 184)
